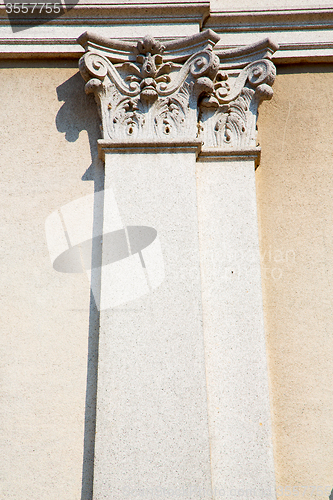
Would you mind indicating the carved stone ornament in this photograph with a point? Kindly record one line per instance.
(183, 90)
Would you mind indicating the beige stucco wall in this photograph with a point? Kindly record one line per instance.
(47, 127)
(44, 314)
(295, 202)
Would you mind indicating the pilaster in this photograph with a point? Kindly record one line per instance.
(183, 402)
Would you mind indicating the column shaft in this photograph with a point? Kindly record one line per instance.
(152, 424)
(237, 378)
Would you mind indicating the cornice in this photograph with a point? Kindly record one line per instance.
(303, 34)
(115, 13)
(57, 37)
(271, 19)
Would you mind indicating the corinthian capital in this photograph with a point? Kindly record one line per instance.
(150, 91)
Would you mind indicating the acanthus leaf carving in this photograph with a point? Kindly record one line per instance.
(228, 116)
(145, 97)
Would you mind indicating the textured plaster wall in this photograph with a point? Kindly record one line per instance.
(44, 314)
(295, 203)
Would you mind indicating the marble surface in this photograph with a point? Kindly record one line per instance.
(152, 426)
(236, 367)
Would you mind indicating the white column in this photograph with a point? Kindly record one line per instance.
(183, 399)
(236, 367)
(152, 427)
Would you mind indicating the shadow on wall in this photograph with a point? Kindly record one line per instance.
(78, 113)
(26, 15)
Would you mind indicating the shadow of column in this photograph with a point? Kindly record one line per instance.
(78, 113)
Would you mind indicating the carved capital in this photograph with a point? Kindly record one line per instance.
(148, 91)
(228, 116)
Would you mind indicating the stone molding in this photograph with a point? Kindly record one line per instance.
(105, 147)
(303, 34)
(202, 155)
(181, 90)
(57, 37)
(217, 154)
(112, 13)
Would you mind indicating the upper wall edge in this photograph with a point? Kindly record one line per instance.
(303, 34)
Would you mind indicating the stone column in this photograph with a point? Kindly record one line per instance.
(183, 403)
(237, 382)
